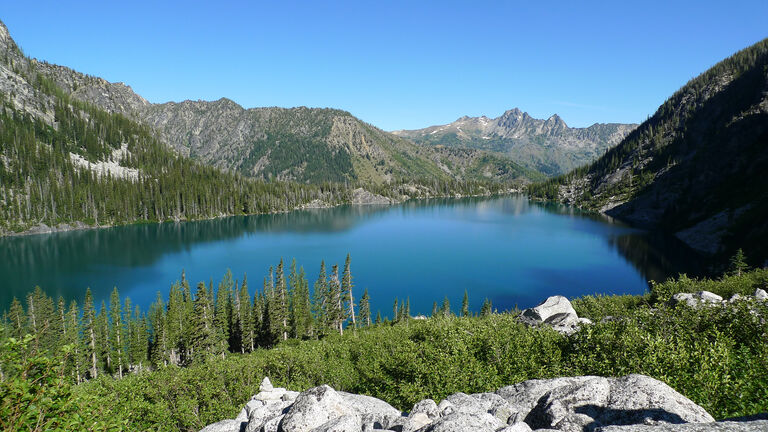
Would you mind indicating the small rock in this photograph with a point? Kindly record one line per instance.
(550, 308)
(709, 297)
(223, 426)
(734, 298)
(445, 407)
(290, 396)
(428, 407)
(315, 407)
(516, 427)
(725, 426)
(345, 423)
(461, 421)
(266, 385)
(760, 294)
(416, 422)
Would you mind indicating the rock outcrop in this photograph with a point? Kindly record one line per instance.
(634, 403)
(557, 312)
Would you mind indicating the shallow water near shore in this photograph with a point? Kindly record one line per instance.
(508, 249)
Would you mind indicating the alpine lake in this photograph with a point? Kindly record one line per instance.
(508, 249)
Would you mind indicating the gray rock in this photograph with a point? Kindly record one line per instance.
(266, 385)
(684, 298)
(726, 426)
(709, 297)
(466, 404)
(315, 407)
(760, 294)
(273, 424)
(290, 396)
(416, 421)
(462, 422)
(260, 415)
(368, 405)
(428, 407)
(445, 407)
(734, 298)
(553, 308)
(516, 427)
(223, 426)
(696, 299)
(634, 399)
(522, 397)
(490, 401)
(345, 423)
(373, 411)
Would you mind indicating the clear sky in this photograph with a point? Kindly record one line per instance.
(397, 65)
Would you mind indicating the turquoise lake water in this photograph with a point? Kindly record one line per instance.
(507, 249)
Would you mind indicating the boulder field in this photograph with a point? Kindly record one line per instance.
(634, 403)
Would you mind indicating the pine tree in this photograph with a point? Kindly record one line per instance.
(72, 337)
(301, 307)
(487, 308)
(140, 345)
(465, 305)
(395, 312)
(176, 324)
(346, 289)
(281, 300)
(223, 310)
(160, 351)
(335, 306)
(128, 333)
(17, 319)
(89, 332)
(320, 305)
(245, 317)
(445, 309)
(117, 330)
(103, 342)
(204, 340)
(407, 308)
(738, 263)
(378, 317)
(365, 309)
(257, 320)
(435, 310)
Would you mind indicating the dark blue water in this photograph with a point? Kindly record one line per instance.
(507, 249)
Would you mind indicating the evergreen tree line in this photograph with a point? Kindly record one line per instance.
(40, 183)
(192, 325)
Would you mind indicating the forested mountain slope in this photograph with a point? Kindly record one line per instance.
(302, 144)
(549, 146)
(73, 153)
(696, 168)
(66, 161)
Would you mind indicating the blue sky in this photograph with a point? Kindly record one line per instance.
(397, 65)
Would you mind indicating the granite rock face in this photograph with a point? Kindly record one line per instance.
(634, 403)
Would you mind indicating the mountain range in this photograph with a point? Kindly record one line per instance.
(298, 144)
(696, 168)
(548, 146)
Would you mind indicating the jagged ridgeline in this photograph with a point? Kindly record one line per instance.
(307, 145)
(696, 168)
(548, 146)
